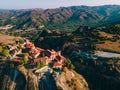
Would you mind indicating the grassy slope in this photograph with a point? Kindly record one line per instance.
(6, 39)
(109, 45)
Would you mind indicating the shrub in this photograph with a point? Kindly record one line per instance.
(70, 83)
(81, 60)
(59, 88)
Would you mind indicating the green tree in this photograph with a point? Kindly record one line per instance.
(43, 63)
(54, 73)
(23, 62)
(12, 65)
(11, 34)
(26, 54)
(69, 64)
(81, 60)
(1, 48)
(43, 54)
(38, 65)
(21, 41)
(5, 51)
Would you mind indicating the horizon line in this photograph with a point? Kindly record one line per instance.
(58, 7)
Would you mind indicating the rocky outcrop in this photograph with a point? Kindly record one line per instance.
(12, 80)
(18, 79)
(21, 78)
(70, 80)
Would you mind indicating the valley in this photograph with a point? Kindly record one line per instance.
(66, 48)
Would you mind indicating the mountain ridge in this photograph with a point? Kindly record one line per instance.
(68, 18)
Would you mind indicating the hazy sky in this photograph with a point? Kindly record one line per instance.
(24, 4)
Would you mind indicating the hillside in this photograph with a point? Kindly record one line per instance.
(101, 73)
(6, 39)
(66, 48)
(85, 38)
(63, 18)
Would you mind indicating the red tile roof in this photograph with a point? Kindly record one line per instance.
(17, 60)
(41, 59)
(39, 49)
(51, 52)
(58, 58)
(30, 45)
(57, 64)
(34, 54)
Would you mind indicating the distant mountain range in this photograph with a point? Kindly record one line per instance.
(63, 18)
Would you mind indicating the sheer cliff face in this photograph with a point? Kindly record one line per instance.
(23, 79)
(18, 79)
